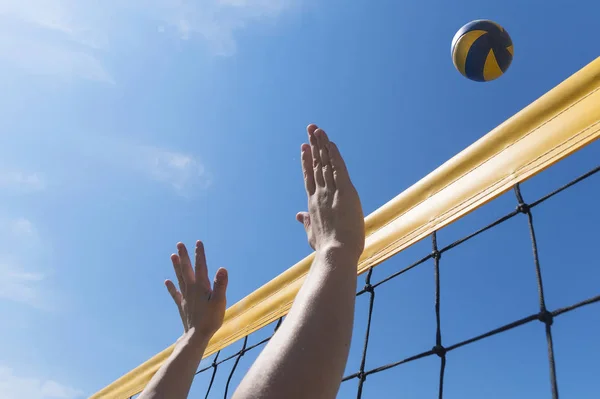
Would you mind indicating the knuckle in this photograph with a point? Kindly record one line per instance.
(322, 197)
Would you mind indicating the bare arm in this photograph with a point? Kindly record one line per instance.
(202, 310)
(307, 356)
(175, 376)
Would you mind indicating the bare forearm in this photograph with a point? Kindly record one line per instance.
(307, 356)
(174, 379)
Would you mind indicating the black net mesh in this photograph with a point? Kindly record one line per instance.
(227, 370)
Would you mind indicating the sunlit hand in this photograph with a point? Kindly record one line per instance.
(201, 306)
(334, 217)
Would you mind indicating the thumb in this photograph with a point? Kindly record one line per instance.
(220, 285)
(304, 218)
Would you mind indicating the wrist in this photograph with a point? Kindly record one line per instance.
(334, 254)
(339, 252)
(193, 341)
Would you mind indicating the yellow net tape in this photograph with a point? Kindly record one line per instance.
(556, 125)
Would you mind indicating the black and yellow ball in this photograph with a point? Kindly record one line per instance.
(482, 50)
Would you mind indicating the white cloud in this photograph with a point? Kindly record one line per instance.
(39, 56)
(20, 246)
(17, 387)
(111, 158)
(182, 172)
(117, 156)
(20, 286)
(71, 38)
(217, 21)
(23, 228)
(19, 181)
(47, 14)
(17, 231)
(43, 37)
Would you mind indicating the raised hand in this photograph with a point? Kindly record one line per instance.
(202, 309)
(334, 217)
(201, 306)
(306, 357)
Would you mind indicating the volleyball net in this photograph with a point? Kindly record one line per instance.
(555, 126)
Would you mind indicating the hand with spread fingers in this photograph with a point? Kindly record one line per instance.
(202, 309)
(334, 216)
(201, 306)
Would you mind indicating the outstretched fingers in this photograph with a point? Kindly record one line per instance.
(177, 297)
(340, 172)
(316, 156)
(186, 266)
(177, 267)
(220, 285)
(201, 269)
(307, 169)
(323, 143)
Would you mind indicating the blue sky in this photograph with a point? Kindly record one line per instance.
(128, 126)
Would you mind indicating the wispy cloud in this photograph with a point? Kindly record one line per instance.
(14, 386)
(18, 285)
(20, 247)
(22, 228)
(108, 160)
(138, 162)
(43, 37)
(38, 56)
(217, 21)
(182, 172)
(18, 181)
(70, 38)
(48, 14)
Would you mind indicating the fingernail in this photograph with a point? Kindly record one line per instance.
(221, 274)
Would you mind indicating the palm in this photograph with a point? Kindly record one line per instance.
(201, 307)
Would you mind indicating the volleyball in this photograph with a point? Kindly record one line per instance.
(482, 50)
